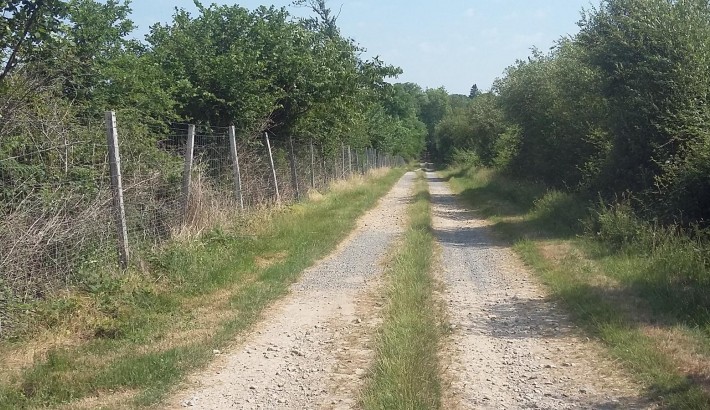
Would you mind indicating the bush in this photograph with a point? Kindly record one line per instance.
(465, 158)
(674, 273)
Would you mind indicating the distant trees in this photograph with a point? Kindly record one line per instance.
(620, 108)
(475, 92)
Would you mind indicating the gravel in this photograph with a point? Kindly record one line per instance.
(511, 347)
(311, 348)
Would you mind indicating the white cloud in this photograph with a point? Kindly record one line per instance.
(471, 12)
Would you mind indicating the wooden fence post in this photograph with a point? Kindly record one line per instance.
(235, 165)
(273, 168)
(187, 170)
(294, 173)
(117, 187)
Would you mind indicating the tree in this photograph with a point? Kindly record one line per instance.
(654, 61)
(324, 21)
(474, 92)
(555, 102)
(24, 26)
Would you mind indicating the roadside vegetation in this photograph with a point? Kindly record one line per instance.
(405, 374)
(125, 340)
(628, 283)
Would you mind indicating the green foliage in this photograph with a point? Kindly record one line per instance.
(465, 158)
(25, 27)
(475, 92)
(622, 106)
(656, 73)
(553, 100)
(474, 125)
(260, 69)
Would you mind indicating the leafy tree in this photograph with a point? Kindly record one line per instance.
(24, 26)
(324, 21)
(434, 108)
(554, 101)
(655, 64)
(474, 127)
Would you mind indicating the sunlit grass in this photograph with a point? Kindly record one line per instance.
(406, 370)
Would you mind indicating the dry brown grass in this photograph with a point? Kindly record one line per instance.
(208, 312)
(315, 196)
(116, 400)
(207, 209)
(265, 261)
(682, 349)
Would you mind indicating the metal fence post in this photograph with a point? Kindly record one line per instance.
(187, 170)
(273, 168)
(342, 158)
(235, 165)
(294, 173)
(350, 162)
(117, 187)
(313, 167)
(357, 162)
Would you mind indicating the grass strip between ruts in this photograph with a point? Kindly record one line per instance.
(405, 374)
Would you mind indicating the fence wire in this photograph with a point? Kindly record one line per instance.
(56, 201)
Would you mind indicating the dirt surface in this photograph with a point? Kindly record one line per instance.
(312, 348)
(511, 347)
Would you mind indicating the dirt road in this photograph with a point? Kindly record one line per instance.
(312, 348)
(512, 348)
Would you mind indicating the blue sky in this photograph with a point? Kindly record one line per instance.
(449, 43)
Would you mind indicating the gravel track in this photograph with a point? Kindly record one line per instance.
(312, 347)
(511, 347)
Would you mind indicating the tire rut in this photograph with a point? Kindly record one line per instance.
(511, 347)
(313, 347)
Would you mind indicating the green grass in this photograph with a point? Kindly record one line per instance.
(615, 289)
(406, 370)
(125, 321)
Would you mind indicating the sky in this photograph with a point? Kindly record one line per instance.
(446, 43)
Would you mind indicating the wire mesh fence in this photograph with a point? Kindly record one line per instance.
(58, 206)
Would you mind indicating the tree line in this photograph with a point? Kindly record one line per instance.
(260, 70)
(618, 110)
